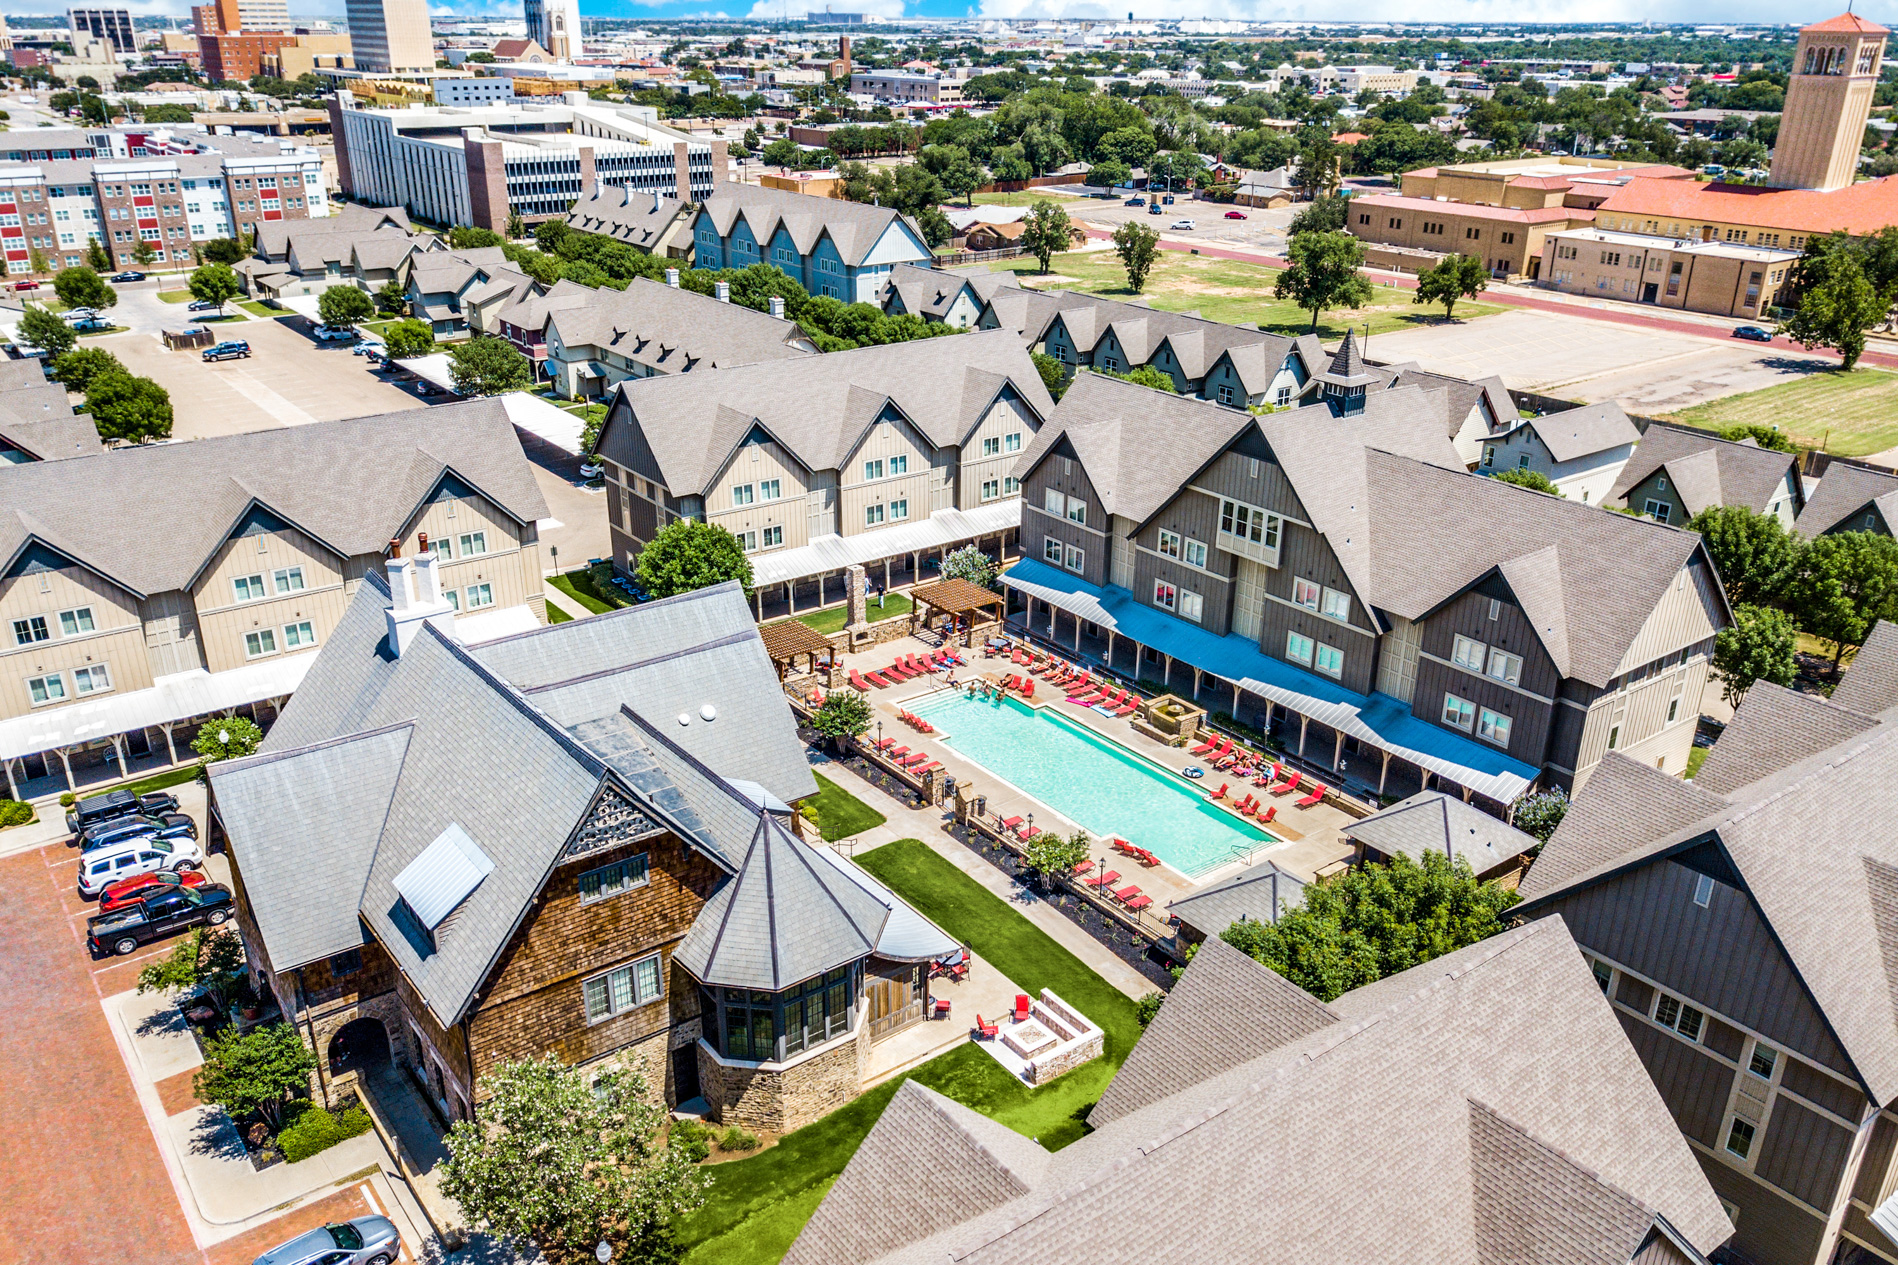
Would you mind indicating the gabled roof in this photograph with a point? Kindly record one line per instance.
(1580, 432)
(274, 236)
(1463, 395)
(818, 407)
(1843, 492)
(1772, 808)
(1708, 470)
(1846, 23)
(1489, 1155)
(1431, 821)
(1259, 892)
(639, 218)
(1871, 683)
(353, 485)
(674, 330)
(932, 291)
(531, 310)
(453, 271)
(852, 227)
(53, 438)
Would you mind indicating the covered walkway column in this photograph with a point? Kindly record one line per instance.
(1337, 750)
(1384, 773)
(67, 763)
(170, 748)
(1110, 647)
(1303, 722)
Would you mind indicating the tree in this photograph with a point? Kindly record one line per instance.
(82, 287)
(1453, 277)
(216, 283)
(409, 339)
(208, 958)
(391, 298)
(843, 714)
(78, 367)
(1754, 553)
(254, 1071)
(1374, 921)
(344, 307)
(468, 237)
(1316, 173)
(1837, 309)
(516, 226)
(225, 250)
(1143, 376)
(1323, 215)
(1757, 646)
(1130, 145)
(128, 408)
(971, 564)
(1046, 230)
(1109, 175)
(168, 114)
(1054, 375)
(1138, 246)
(1534, 480)
(959, 173)
(1324, 274)
(489, 366)
(96, 258)
(1050, 856)
(601, 1172)
(143, 252)
(51, 335)
(227, 738)
(686, 554)
(1540, 812)
(1846, 582)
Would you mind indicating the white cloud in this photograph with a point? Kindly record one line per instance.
(1462, 11)
(772, 10)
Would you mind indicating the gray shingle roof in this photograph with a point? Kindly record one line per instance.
(819, 407)
(785, 917)
(853, 227)
(638, 218)
(1582, 432)
(1431, 821)
(1807, 861)
(932, 292)
(1871, 683)
(351, 484)
(1259, 892)
(1843, 492)
(1488, 1022)
(1725, 473)
(275, 236)
(1464, 394)
(53, 438)
(675, 330)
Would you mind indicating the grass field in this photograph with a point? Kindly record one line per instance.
(1027, 197)
(1236, 293)
(1852, 414)
(579, 586)
(174, 296)
(832, 620)
(260, 309)
(838, 813)
(756, 1206)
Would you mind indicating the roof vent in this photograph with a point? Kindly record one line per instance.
(708, 712)
(685, 718)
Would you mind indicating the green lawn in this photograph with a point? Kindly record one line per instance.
(256, 308)
(1026, 197)
(557, 616)
(838, 813)
(1236, 293)
(1696, 758)
(1852, 414)
(174, 296)
(832, 620)
(566, 585)
(101, 333)
(580, 585)
(158, 781)
(756, 1206)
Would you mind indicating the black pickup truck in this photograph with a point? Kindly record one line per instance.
(94, 809)
(165, 911)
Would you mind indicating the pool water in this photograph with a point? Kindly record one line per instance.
(1092, 781)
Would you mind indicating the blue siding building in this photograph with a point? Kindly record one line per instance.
(842, 249)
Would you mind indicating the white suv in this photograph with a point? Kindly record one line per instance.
(1181, 224)
(334, 333)
(115, 861)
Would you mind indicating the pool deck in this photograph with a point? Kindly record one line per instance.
(1310, 838)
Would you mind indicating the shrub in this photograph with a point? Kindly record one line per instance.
(1147, 1007)
(737, 1139)
(14, 813)
(315, 1129)
(692, 1138)
(67, 799)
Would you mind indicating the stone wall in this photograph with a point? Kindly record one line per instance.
(782, 1098)
(649, 1057)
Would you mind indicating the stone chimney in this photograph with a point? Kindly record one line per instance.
(410, 607)
(724, 294)
(777, 305)
(672, 278)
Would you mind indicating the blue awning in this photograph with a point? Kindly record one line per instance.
(1376, 719)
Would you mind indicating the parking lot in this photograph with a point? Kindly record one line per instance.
(1262, 228)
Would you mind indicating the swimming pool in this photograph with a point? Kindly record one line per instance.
(1092, 781)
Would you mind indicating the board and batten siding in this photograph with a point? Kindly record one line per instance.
(1059, 470)
(1692, 1084)
(1397, 659)
(1008, 417)
(760, 460)
(1192, 516)
(171, 632)
(1771, 1229)
(1529, 704)
(1690, 612)
(924, 487)
(1803, 1153)
(1722, 958)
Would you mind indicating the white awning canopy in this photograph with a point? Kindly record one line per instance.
(833, 553)
(537, 417)
(177, 697)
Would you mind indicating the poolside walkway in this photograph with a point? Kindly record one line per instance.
(927, 824)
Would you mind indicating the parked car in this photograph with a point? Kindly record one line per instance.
(128, 275)
(26, 285)
(363, 1241)
(333, 333)
(105, 866)
(1235, 215)
(1755, 333)
(1135, 201)
(78, 314)
(202, 305)
(1187, 224)
(1153, 208)
(153, 826)
(91, 325)
(126, 890)
(591, 468)
(367, 348)
(143, 921)
(96, 808)
(232, 350)
(424, 387)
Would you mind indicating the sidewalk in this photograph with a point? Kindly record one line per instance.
(927, 824)
(564, 604)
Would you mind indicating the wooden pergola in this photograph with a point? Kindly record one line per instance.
(955, 597)
(785, 640)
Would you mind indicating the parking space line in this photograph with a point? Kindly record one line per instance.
(266, 398)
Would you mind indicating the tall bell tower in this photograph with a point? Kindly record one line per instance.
(1828, 98)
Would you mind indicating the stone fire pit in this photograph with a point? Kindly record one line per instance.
(1028, 1039)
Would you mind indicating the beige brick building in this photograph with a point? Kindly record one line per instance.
(1725, 279)
(1507, 239)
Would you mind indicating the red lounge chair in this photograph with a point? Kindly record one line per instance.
(1027, 689)
(1020, 658)
(876, 680)
(897, 753)
(1221, 792)
(985, 1031)
(884, 744)
(857, 682)
(941, 656)
(942, 1007)
(1010, 823)
(917, 759)
(1021, 1007)
(1206, 746)
(1022, 831)
(1083, 867)
(1126, 893)
(1137, 904)
(1104, 880)
(1317, 793)
(933, 764)
(1127, 708)
(1289, 785)
(1269, 814)
(1087, 700)
(1120, 845)
(1145, 857)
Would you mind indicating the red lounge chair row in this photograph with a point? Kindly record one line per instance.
(1021, 685)
(1250, 807)
(915, 722)
(1138, 853)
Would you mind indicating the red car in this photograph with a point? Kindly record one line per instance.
(1235, 215)
(126, 890)
(26, 285)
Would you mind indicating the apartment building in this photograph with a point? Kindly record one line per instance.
(1741, 925)
(1676, 472)
(1582, 451)
(121, 634)
(954, 298)
(596, 340)
(445, 287)
(905, 86)
(1229, 364)
(367, 247)
(843, 250)
(1852, 497)
(114, 26)
(881, 457)
(646, 220)
(478, 165)
(1722, 278)
(1353, 590)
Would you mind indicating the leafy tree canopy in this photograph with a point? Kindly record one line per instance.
(228, 738)
(1324, 274)
(1540, 812)
(1451, 278)
(128, 408)
(82, 287)
(1758, 646)
(1846, 582)
(343, 306)
(40, 328)
(488, 366)
(1534, 480)
(1755, 554)
(971, 564)
(686, 554)
(215, 283)
(409, 339)
(1046, 230)
(843, 714)
(254, 1071)
(1054, 375)
(78, 367)
(1764, 436)
(1138, 247)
